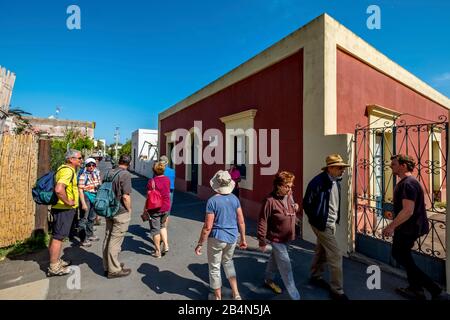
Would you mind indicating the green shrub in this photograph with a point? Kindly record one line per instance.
(35, 243)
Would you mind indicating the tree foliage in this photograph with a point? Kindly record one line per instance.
(73, 139)
(126, 148)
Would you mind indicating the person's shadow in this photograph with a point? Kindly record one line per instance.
(169, 282)
(74, 253)
(79, 256)
(136, 246)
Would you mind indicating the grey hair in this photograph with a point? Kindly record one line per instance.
(71, 153)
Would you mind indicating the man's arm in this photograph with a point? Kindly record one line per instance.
(60, 190)
(206, 230)
(126, 192)
(241, 224)
(127, 202)
(82, 199)
(404, 215)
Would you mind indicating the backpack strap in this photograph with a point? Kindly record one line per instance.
(153, 184)
(71, 169)
(114, 176)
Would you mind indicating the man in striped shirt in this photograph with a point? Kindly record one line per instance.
(88, 183)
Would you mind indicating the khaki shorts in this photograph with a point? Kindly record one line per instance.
(157, 222)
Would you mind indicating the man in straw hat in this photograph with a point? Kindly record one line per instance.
(322, 206)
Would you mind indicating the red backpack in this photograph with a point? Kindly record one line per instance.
(154, 198)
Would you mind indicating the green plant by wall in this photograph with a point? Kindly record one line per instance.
(34, 243)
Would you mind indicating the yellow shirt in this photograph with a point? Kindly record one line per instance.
(67, 176)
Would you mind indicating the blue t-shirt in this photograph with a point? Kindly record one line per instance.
(225, 227)
(170, 173)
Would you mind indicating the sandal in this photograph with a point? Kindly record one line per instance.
(273, 286)
(155, 255)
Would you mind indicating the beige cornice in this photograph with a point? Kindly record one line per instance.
(383, 112)
(251, 113)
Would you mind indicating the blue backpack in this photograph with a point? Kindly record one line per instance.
(43, 191)
(106, 204)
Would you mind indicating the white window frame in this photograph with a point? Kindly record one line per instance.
(242, 120)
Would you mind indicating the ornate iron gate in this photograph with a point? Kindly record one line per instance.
(427, 143)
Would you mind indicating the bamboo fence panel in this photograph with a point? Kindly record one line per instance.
(18, 173)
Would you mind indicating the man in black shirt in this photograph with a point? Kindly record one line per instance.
(410, 223)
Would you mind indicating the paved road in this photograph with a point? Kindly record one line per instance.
(180, 274)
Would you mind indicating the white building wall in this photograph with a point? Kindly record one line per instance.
(142, 153)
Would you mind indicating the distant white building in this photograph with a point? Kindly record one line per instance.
(144, 151)
(103, 141)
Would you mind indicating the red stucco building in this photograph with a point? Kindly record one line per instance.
(317, 86)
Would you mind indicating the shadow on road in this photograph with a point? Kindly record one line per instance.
(79, 256)
(136, 246)
(168, 282)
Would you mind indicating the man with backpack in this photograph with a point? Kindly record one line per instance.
(63, 211)
(117, 224)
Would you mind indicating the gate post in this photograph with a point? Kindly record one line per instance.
(41, 224)
(447, 213)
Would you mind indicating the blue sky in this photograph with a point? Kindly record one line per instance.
(132, 59)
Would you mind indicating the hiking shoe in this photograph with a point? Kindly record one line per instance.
(105, 273)
(410, 293)
(319, 282)
(93, 238)
(86, 244)
(122, 273)
(273, 286)
(64, 263)
(58, 271)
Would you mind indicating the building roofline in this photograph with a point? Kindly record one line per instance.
(61, 122)
(294, 42)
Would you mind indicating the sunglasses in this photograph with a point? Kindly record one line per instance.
(91, 165)
(77, 158)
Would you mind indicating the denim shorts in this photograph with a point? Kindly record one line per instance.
(62, 221)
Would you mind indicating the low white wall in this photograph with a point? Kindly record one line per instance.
(144, 168)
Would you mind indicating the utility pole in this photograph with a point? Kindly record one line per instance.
(116, 136)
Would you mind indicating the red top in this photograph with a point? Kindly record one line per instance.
(235, 175)
(162, 184)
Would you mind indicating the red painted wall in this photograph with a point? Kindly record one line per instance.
(359, 85)
(277, 93)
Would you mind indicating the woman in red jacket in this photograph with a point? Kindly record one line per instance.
(158, 218)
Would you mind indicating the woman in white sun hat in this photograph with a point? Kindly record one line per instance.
(223, 219)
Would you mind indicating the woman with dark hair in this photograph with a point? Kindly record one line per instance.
(236, 176)
(276, 225)
(158, 218)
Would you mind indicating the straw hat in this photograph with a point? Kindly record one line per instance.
(222, 182)
(335, 160)
(164, 159)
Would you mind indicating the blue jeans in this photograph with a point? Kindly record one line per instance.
(279, 261)
(86, 223)
(171, 200)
